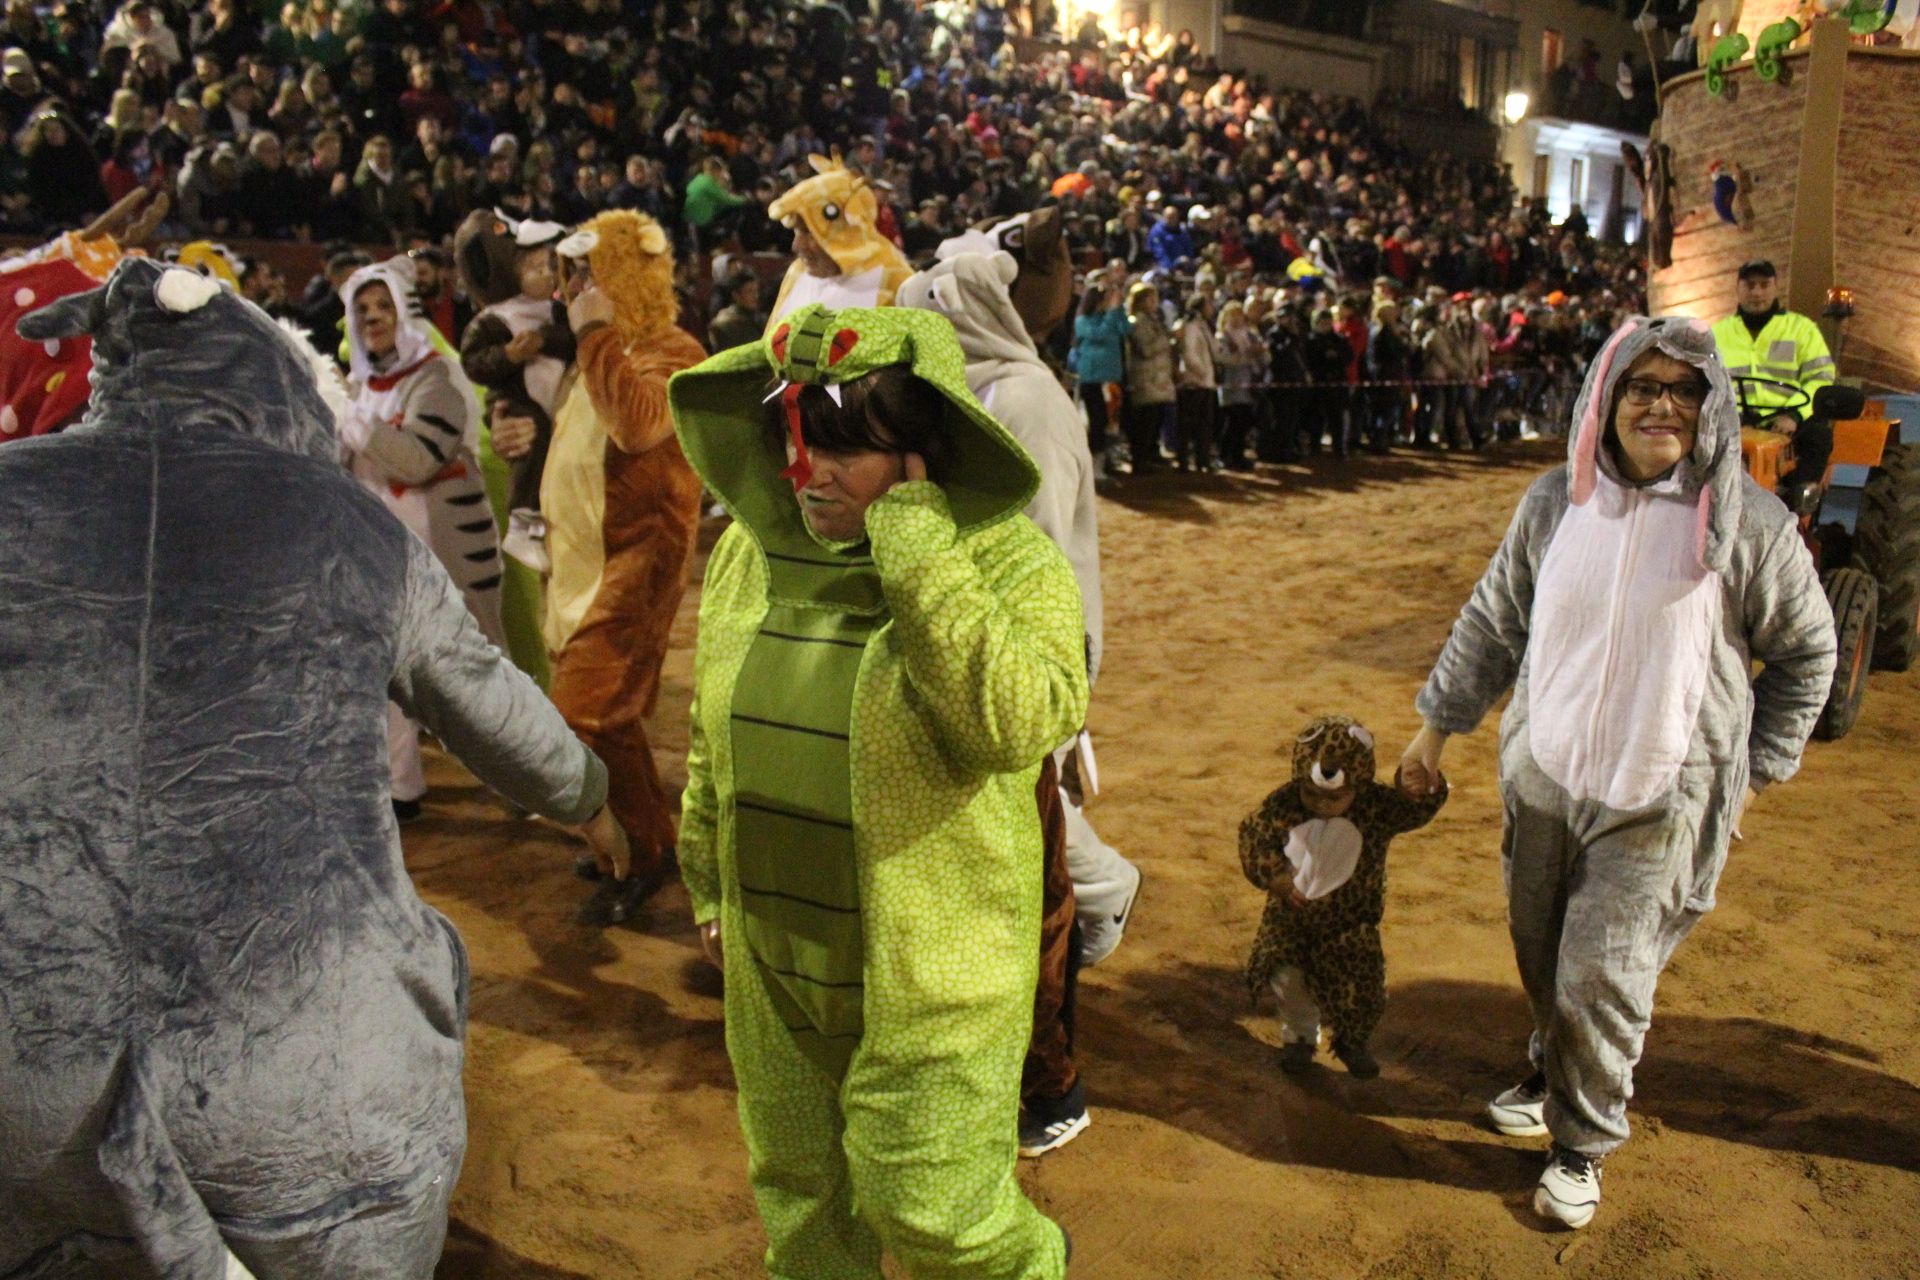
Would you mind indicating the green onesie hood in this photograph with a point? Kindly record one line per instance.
(721, 407)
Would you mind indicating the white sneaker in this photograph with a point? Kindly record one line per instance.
(1569, 1190)
(1521, 1112)
(1101, 934)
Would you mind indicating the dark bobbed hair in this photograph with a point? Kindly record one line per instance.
(891, 410)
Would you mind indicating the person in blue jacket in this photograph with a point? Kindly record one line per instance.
(1170, 243)
(1099, 359)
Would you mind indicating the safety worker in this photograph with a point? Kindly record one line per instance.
(1785, 359)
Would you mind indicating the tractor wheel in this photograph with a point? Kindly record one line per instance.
(1855, 600)
(1886, 544)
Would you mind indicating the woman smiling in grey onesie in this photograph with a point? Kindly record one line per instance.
(1633, 591)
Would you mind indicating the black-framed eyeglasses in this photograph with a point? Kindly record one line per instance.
(1689, 394)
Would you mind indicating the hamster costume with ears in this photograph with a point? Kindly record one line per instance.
(622, 509)
(230, 1021)
(839, 210)
(1322, 955)
(1626, 618)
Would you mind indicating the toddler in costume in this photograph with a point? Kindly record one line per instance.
(1318, 846)
(518, 347)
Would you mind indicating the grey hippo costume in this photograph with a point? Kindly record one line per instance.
(227, 1021)
(1626, 617)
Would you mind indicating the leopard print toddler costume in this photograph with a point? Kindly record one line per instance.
(1339, 864)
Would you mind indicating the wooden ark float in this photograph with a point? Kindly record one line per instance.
(1834, 185)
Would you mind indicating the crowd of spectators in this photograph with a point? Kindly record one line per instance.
(384, 122)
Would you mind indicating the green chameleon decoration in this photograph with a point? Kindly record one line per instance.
(1727, 51)
(1864, 17)
(1775, 40)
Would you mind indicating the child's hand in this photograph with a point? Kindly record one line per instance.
(1404, 783)
(513, 433)
(524, 347)
(1296, 899)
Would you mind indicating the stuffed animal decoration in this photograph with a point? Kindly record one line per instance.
(231, 1023)
(838, 209)
(1732, 194)
(1654, 173)
(1318, 846)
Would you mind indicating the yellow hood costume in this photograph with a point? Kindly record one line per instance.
(839, 210)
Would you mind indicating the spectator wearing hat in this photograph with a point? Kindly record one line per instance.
(20, 89)
(1778, 359)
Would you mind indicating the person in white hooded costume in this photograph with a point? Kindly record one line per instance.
(410, 436)
(1633, 592)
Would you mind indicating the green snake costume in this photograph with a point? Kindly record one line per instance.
(868, 724)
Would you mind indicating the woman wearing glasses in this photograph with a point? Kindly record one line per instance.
(1633, 591)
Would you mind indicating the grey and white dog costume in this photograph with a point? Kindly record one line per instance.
(1626, 617)
(227, 1021)
(1005, 371)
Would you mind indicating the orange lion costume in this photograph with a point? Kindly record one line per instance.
(839, 210)
(622, 509)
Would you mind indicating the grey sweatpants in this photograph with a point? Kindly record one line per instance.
(1596, 903)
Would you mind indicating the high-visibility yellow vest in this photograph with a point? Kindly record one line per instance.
(1789, 355)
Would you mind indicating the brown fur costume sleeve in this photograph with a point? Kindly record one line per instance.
(630, 390)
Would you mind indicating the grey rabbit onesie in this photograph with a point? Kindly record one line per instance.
(1625, 617)
(227, 1020)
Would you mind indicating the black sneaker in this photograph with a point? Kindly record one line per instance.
(406, 810)
(616, 901)
(1051, 1123)
(587, 867)
(1359, 1063)
(1296, 1056)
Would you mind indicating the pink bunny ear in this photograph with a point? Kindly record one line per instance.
(1586, 446)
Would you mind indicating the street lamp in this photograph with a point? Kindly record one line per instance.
(1515, 107)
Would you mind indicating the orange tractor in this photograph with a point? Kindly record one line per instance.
(1862, 524)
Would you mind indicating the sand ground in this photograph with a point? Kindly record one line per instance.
(1777, 1122)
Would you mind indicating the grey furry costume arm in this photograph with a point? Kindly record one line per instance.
(1790, 629)
(451, 679)
(1482, 656)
